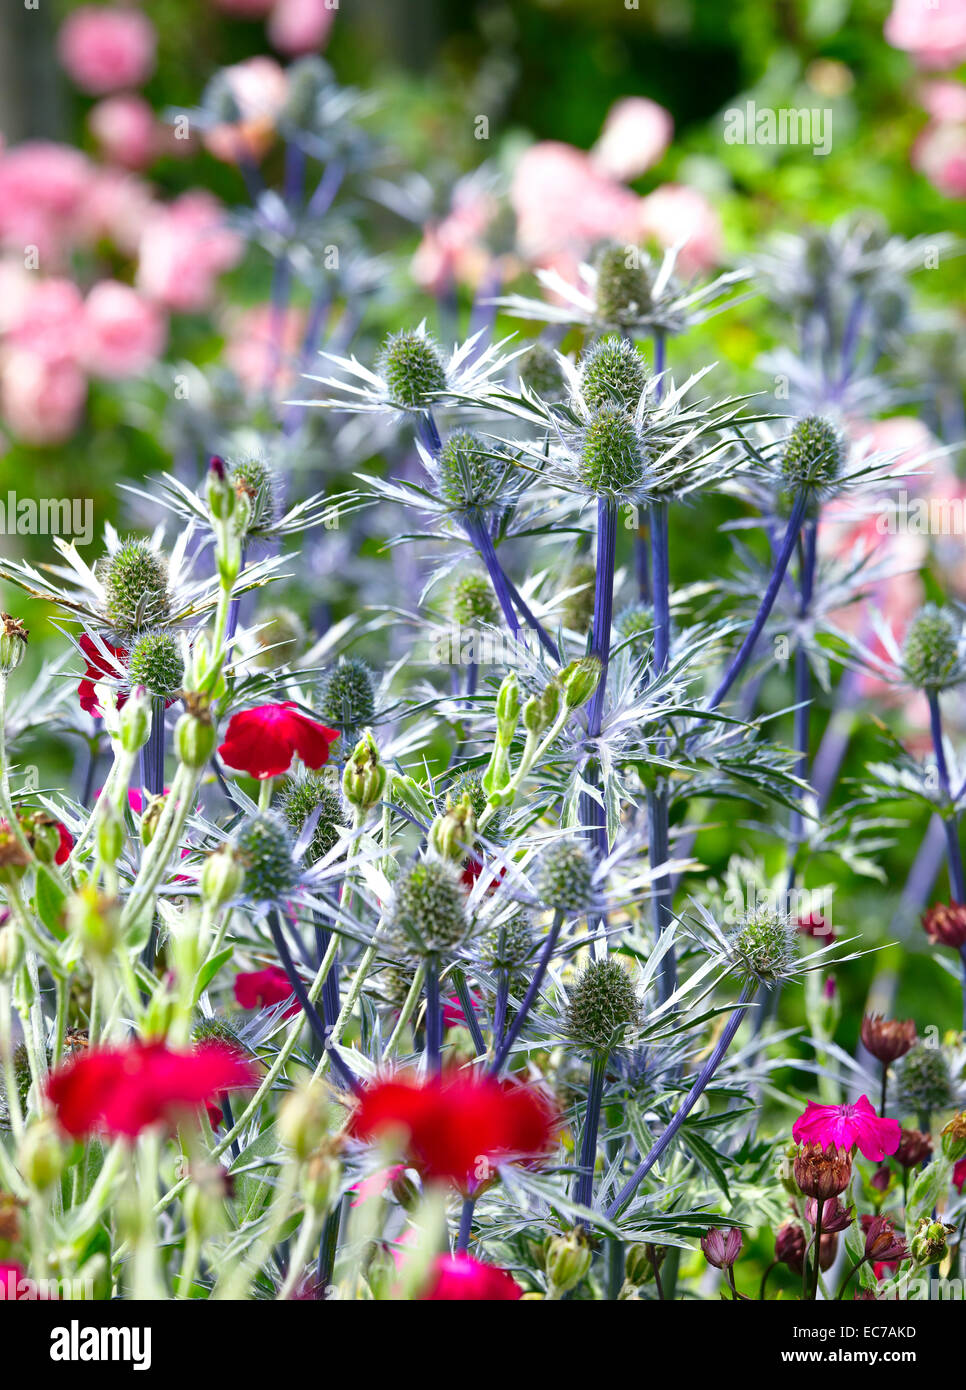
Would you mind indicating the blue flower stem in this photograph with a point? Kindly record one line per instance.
(641, 561)
(954, 852)
(803, 675)
(788, 544)
(690, 1101)
(499, 1011)
(658, 805)
(482, 542)
(434, 1019)
(584, 1188)
(466, 1224)
(469, 1013)
(330, 985)
(549, 946)
(308, 1008)
(593, 814)
(152, 753)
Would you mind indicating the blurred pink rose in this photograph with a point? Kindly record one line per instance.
(940, 154)
(636, 133)
(933, 31)
(300, 26)
(45, 319)
(454, 250)
(126, 130)
(260, 89)
(944, 100)
(564, 204)
(117, 208)
(184, 247)
(251, 349)
(902, 435)
(105, 49)
(676, 215)
(123, 333)
(42, 185)
(42, 400)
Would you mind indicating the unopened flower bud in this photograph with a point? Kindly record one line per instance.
(194, 734)
(151, 816)
(364, 778)
(220, 493)
(640, 1262)
(579, 680)
(11, 951)
(135, 720)
(41, 1154)
(507, 709)
(303, 1119)
(567, 1260)
(914, 1148)
(13, 642)
(321, 1181)
(452, 835)
(95, 920)
(42, 835)
(887, 1039)
(222, 877)
(110, 833)
(790, 1246)
(721, 1248)
(954, 1137)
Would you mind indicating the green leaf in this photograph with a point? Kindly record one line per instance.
(49, 901)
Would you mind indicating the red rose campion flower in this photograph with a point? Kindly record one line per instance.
(458, 1278)
(66, 844)
(844, 1126)
(455, 1127)
(959, 1175)
(98, 669)
(263, 741)
(10, 1277)
(260, 989)
(122, 1090)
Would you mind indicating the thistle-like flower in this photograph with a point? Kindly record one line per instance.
(925, 1082)
(602, 1006)
(612, 372)
(428, 912)
(346, 696)
(155, 662)
(312, 796)
(565, 877)
(934, 653)
(265, 847)
(135, 584)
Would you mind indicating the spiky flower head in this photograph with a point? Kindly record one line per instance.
(612, 371)
(395, 982)
(411, 365)
(764, 944)
(135, 580)
(468, 473)
(565, 876)
(611, 461)
(307, 80)
(471, 784)
(623, 285)
(218, 1030)
(931, 655)
(578, 608)
(813, 455)
(539, 369)
(280, 637)
(602, 1006)
(636, 620)
(509, 945)
(254, 483)
(925, 1084)
(428, 912)
(472, 600)
(155, 662)
(346, 697)
(301, 798)
(263, 844)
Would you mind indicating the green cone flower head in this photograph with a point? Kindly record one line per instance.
(472, 601)
(931, 656)
(565, 877)
(280, 637)
(612, 371)
(469, 475)
(924, 1081)
(539, 369)
(814, 454)
(764, 945)
(602, 1006)
(411, 365)
(254, 483)
(346, 698)
(301, 798)
(263, 843)
(135, 580)
(611, 461)
(509, 945)
(623, 285)
(635, 621)
(578, 608)
(155, 662)
(428, 914)
(218, 1030)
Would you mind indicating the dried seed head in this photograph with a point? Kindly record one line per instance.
(412, 367)
(602, 1006)
(263, 843)
(135, 580)
(613, 371)
(611, 460)
(155, 662)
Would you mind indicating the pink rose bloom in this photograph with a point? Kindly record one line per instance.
(260, 89)
(636, 133)
(123, 332)
(105, 49)
(251, 349)
(940, 154)
(848, 1125)
(944, 100)
(933, 31)
(42, 185)
(454, 250)
(117, 208)
(300, 26)
(185, 246)
(675, 215)
(125, 128)
(41, 400)
(45, 318)
(564, 204)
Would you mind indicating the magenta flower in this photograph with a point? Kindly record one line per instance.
(848, 1125)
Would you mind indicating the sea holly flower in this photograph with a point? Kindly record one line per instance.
(846, 1126)
(460, 1278)
(456, 1128)
(264, 740)
(121, 1091)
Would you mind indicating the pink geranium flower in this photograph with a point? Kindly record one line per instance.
(846, 1126)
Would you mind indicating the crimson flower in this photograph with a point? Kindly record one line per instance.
(11, 1276)
(262, 741)
(959, 1175)
(122, 1090)
(98, 669)
(848, 1125)
(453, 1015)
(721, 1247)
(457, 1128)
(65, 845)
(460, 1278)
(260, 989)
